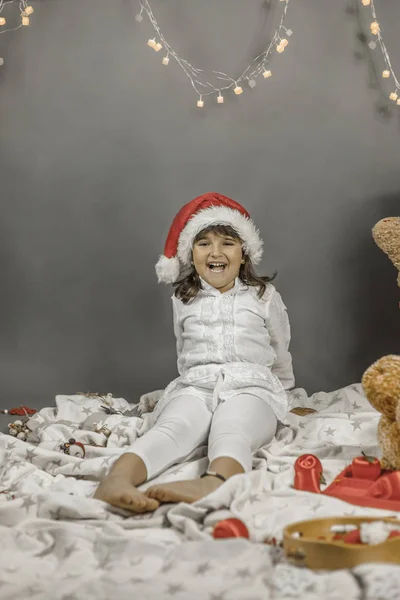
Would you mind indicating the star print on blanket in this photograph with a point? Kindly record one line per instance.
(49, 520)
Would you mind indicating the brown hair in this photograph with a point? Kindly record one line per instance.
(188, 286)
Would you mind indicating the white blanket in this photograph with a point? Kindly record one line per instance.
(59, 543)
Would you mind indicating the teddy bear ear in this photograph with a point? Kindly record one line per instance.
(386, 234)
(381, 384)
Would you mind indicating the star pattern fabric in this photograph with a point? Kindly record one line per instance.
(50, 523)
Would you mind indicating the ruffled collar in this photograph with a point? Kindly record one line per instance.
(209, 289)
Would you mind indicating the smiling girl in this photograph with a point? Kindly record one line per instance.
(232, 333)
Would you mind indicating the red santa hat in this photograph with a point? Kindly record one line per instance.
(198, 214)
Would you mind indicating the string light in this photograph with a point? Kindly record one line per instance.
(198, 77)
(25, 11)
(388, 72)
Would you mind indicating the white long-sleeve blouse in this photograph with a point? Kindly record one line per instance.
(232, 343)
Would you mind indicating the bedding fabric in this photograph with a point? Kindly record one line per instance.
(57, 542)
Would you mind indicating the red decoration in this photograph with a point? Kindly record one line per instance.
(21, 411)
(366, 467)
(308, 473)
(387, 487)
(352, 537)
(394, 534)
(230, 528)
(362, 483)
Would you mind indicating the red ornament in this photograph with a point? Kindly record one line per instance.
(362, 483)
(230, 528)
(308, 473)
(366, 467)
(394, 534)
(352, 537)
(387, 487)
(21, 411)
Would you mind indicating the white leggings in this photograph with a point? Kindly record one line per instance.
(238, 428)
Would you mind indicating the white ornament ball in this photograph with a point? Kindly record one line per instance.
(109, 400)
(76, 451)
(21, 435)
(18, 423)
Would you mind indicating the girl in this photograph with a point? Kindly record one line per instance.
(232, 334)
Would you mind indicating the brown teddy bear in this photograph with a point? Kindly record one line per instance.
(381, 381)
(386, 234)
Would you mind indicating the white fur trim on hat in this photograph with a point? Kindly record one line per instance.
(168, 269)
(220, 215)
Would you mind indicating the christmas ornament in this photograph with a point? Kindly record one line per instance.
(73, 448)
(21, 411)
(308, 473)
(362, 483)
(98, 428)
(19, 430)
(342, 542)
(229, 528)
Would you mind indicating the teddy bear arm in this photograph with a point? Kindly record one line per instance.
(389, 440)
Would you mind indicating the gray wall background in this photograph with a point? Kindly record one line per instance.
(101, 145)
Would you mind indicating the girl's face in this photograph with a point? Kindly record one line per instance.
(217, 259)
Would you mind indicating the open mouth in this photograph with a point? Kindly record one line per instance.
(217, 267)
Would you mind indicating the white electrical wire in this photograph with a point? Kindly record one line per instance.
(198, 77)
(376, 32)
(25, 11)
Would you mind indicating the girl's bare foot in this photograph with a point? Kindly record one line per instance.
(184, 491)
(118, 490)
(119, 487)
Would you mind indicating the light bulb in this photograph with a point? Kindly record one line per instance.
(200, 103)
(220, 99)
(157, 47)
(386, 74)
(374, 27)
(2, 21)
(25, 21)
(372, 45)
(393, 96)
(252, 83)
(284, 42)
(267, 74)
(289, 32)
(139, 18)
(398, 101)
(280, 48)
(238, 90)
(1, 62)
(165, 60)
(28, 10)
(366, 2)
(151, 43)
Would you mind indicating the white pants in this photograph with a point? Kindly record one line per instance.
(238, 428)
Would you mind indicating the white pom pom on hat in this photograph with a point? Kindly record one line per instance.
(198, 214)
